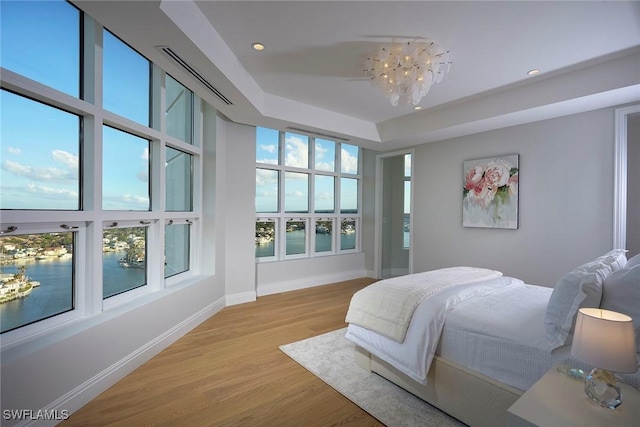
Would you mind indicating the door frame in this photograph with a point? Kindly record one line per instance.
(620, 176)
(377, 264)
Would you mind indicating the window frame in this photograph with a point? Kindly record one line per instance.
(90, 220)
(311, 217)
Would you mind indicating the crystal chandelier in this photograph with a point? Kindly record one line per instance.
(405, 71)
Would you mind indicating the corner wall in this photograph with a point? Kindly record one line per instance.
(565, 204)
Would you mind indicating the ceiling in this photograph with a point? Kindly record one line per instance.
(310, 76)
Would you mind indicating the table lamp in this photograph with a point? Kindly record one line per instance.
(606, 340)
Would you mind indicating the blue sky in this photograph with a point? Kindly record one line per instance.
(296, 154)
(40, 145)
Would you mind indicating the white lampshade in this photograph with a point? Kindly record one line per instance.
(605, 339)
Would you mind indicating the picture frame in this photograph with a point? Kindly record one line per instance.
(490, 192)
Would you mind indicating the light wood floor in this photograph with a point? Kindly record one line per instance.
(228, 371)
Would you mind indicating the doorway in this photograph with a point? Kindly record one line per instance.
(393, 219)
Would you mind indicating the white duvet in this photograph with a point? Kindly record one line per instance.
(414, 355)
(387, 306)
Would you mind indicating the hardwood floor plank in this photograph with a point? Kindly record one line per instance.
(229, 371)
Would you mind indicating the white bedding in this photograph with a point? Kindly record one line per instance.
(413, 356)
(387, 306)
(499, 334)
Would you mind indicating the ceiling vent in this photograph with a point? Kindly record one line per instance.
(324, 135)
(173, 55)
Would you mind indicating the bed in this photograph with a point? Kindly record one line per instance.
(473, 346)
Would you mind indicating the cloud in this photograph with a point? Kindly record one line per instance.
(266, 177)
(296, 193)
(297, 152)
(349, 162)
(50, 191)
(143, 176)
(138, 200)
(271, 148)
(145, 154)
(38, 174)
(65, 158)
(14, 150)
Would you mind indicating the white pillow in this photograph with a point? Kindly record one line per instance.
(616, 258)
(621, 293)
(579, 288)
(633, 261)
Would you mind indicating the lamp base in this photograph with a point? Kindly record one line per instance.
(601, 387)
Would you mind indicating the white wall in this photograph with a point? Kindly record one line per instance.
(282, 276)
(236, 210)
(566, 199)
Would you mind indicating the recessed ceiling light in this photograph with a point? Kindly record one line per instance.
(258, 46)
(417, 107)
(533, 72)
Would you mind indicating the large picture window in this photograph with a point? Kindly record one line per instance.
(305, 193)
(99, 208)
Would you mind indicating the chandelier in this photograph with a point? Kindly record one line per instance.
(405, 71)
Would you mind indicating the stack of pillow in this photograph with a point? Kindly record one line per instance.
(610, 282)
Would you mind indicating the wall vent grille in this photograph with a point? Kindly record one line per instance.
(324, 135)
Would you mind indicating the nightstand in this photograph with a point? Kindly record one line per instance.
(559, 400)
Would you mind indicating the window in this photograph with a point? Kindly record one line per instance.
(348, 234)
(324, 194)
(40, 164)
(126, 77)
(69, 169)
(303, 184)
(296, 192)
(296, 150)
(324, 235)
(296, 241)
(179, 110)
(267, 190)
(265, 238)
(179, 188)
(41, 41)
(268, 146)
(125, 171)
(325, 155)
(37, 279)
(124, 260)
(177, 248)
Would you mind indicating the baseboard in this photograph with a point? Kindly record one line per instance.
(296, 284)
(87, 391)
(240, 298)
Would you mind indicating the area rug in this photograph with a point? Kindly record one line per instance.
(330, 358)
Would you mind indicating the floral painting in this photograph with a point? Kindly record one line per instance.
(490, 192)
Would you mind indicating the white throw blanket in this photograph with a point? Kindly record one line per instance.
(386, 307)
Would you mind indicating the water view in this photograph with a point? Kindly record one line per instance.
(53, 290)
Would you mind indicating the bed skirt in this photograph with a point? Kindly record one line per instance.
(469, 396)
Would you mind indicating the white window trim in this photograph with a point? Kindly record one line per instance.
(311, 216)
(89, 306)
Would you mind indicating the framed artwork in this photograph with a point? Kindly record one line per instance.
(490, 192)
